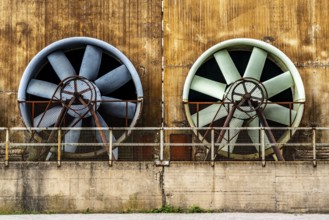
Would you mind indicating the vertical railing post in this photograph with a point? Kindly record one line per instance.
(262, 142)
(7, 148)
(59, 148)
(161, 144)
(314, 146)
(110, 147)
(197, 114)
(212, 147)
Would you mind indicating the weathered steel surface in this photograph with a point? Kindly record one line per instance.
(132, 26)
(296, 27)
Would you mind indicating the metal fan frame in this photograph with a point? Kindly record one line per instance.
(66, 44)
(277, 56)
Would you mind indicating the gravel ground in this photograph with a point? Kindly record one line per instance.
(206, 216)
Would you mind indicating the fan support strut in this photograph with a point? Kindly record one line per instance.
(79, 98)
(247, 96)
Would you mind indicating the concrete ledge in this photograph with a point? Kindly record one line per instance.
(139, 186)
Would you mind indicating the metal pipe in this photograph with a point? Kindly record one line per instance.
(110, 147)
(156, 128)
(212, 147)
(7, 148)
(197, 115)
(262, 139)
(59, 140)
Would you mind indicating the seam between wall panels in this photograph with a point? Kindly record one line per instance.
(161, 180)
(162, 64)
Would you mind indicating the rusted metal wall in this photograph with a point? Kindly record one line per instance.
(299, 28)
(133, 26)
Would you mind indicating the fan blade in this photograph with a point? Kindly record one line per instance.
(43, 89)
(61, 65)
(280, 114)
(255, 134)
(118, 108)
(72, 136)
(47, 119)
(209, 114)
(231, 136)
(256, 63)
(208, 87)
(278, 84)
(91, 62)
(113, 80)
(227, 66)
(99, 138)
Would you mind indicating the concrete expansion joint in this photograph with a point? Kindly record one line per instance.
(162, 184)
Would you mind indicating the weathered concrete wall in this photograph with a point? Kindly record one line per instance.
(249, 187)
(77, 187)
(138, 186)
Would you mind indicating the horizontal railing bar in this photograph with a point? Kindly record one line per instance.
(83, 128)
(227, 102)
(15, 144)
(82, 144)
(32, 145)
(158, 128)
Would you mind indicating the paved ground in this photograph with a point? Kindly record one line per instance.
(221, 216)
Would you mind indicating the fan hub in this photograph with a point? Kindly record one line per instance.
(248, 95)
(79, 95)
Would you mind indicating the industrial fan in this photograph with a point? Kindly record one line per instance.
(80, 82)
(243, 83)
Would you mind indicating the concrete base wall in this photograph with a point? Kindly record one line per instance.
(141, 186)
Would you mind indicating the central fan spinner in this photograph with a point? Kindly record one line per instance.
(80, 82)
(243, 83)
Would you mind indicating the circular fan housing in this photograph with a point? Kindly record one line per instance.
(253, 70)
(80, 82)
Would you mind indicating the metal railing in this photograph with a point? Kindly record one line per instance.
(312, 138)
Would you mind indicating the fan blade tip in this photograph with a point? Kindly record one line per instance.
(227, 66)
(118, 108)
(113, 80)
(91, 62)
(256, 63)
(61, 65)
(208, 87)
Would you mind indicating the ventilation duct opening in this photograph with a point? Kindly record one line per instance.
(80, 82)
(256, 79)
